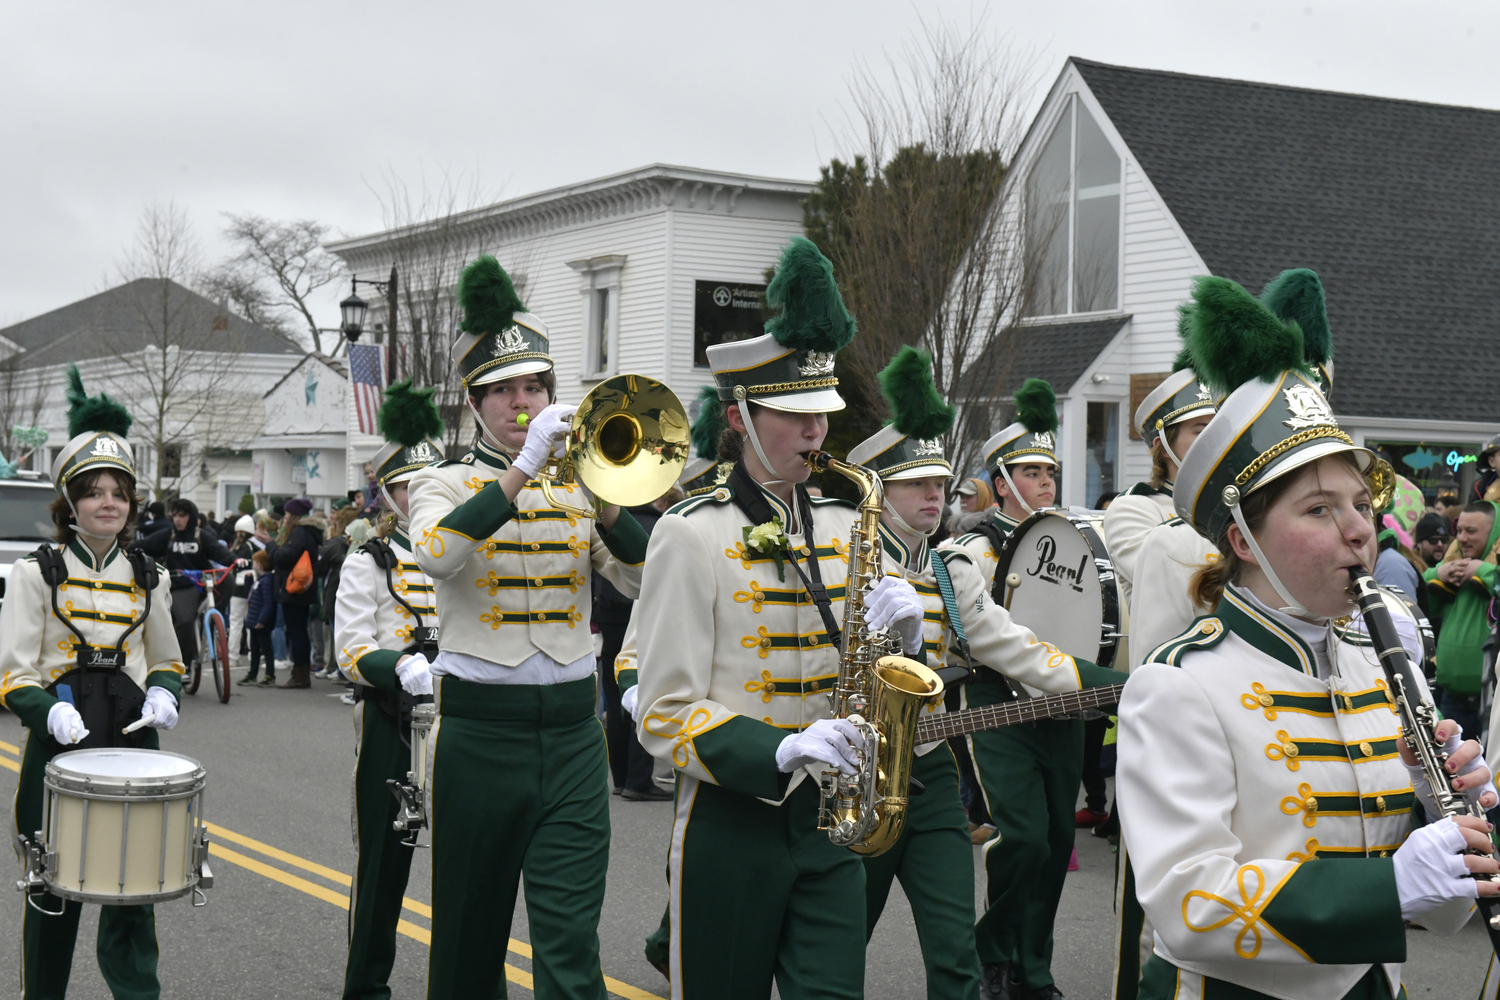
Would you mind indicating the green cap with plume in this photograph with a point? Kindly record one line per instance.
(499, 338)
(1032, 438)
(910, 446)
(705, 472)
(1296, 296)
(413, 431)
(97, 426)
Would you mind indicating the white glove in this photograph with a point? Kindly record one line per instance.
(829, 741)
(629, 699)
(543, 435)
(1430, 869)
(893, 603)
(65, 724)
(160, 701)
(415, 674)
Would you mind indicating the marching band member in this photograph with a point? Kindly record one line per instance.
(86, 602)
(1263, 737)
(934, 859)
(736, 628)
(385, 629)
(519, 781)
(1029, 774)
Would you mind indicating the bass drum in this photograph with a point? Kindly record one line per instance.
(1060, 583)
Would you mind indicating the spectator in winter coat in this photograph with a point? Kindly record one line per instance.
(330, 564)
(185, 545)
(1459, 591)
(260, 618)
(301, 535)
(244, 546)
(154, 521)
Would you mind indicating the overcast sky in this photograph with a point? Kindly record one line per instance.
(299, 110)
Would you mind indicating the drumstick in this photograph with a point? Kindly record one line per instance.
(1011, 582)
(144, 720)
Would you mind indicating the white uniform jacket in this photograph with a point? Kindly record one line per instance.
(1163, 607)
(525, 565)
(1262, 796)
(100, 598)
(372, 630)
(1130, 518)
(916, 569)
(732, 656)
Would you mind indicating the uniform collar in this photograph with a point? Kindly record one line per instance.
(1147, 490)
(779, 507)
(399, 537)
(490, 455)
(85, 555)
(1004, 520)
(1243, 615)
(901, 553)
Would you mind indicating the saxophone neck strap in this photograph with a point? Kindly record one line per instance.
(750, 501)
(950, 605)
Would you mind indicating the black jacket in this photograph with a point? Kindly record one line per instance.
(195, 547)
(330, 566)
(306, 536)
(610, 606)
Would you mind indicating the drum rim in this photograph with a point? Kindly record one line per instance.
(135, 789)
(1087, 527)
(123, 899)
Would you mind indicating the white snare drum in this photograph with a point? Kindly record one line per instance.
(122, 827)
(1060, 583)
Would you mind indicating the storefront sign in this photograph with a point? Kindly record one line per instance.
(723, 312)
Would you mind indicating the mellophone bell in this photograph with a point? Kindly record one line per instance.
(91, 666)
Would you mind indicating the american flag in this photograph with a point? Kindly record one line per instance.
(367, 372)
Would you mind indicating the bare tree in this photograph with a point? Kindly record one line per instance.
(171, 365)
(276, 269)
(911, 222)
(21, 403)
(435, 232)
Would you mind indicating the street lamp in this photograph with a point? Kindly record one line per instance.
(353, 310)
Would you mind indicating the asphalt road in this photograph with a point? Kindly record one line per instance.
(279, 766)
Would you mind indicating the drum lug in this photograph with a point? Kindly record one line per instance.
(35, 865)
(411, 815)
(200, 865)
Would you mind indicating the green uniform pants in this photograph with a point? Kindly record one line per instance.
(758, 893)
(383, 864)
(934, 859)
(1132, 935)
(1030, 776)
(1162, 981)
(126, 946)
(519, 786)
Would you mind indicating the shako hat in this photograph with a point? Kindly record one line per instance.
(790, 366)
(704, 471)
(97, 426)
(911, 445)
(1296, 296)
(1180, 397)
(1033, 437)
(413, 432)
(1274, 417)
(500, 339)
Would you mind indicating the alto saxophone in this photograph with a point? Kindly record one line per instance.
(879, 691)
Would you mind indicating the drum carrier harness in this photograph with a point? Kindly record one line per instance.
(398, 704)
(101, 692)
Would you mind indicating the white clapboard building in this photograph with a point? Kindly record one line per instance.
(1131, 182)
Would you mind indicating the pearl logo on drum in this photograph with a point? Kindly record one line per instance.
(1048, 569)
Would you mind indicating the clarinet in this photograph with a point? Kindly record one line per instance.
(1418, 719)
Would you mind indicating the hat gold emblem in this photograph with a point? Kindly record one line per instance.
(931, 446)
(106, 448)
(1308, 408)
(815, 364)
(1044, 441)
(420, 452)
(1204, 396)
(509, 341)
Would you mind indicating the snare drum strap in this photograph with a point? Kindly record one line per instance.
(385, 558)
(950, 605)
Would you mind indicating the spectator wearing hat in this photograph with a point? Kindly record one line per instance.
(1460, 589)
(1432, 539)
(330, 567)
(1487, 486)
(301, 534)
(975, 499)
(243, 545)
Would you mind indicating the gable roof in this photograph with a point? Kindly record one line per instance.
(1395, 204)
(1057, 352)
(334, 365)
(128, 318)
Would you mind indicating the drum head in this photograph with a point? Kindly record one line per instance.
(1054, 586)
(117, 765)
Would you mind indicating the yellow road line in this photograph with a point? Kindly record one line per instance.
(518, 976)
(10, 748)
(615, 986)
(12, 765)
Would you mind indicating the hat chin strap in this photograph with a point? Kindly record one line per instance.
(484, 430)
(1015, 492)
(1162, 437)
(910, 532)
(1292, 608)
(744, 408)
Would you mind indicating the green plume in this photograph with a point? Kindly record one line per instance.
(1297, 295)
(1233, 338)
(408, 415)
(488, 298)
(93, 413)
(1036, 406)
(812, 316)
(917, 410)
(710, 423)
(1183, 360)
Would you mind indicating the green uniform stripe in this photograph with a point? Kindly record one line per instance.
(95, 616)
(495, 618)
(1343, 914)
(790, 686)
(494, 583)
(517, 548)
(482, 514)
(627, 540)
(740, 753)
(117, 588)
(764, 595)
(378, 666)
(768, 641)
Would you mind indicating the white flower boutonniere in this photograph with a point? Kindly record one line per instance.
(769, 539)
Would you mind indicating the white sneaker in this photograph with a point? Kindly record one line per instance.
(283, 665)
(347, 697)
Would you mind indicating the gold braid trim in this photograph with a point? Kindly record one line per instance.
(810, 383)
(1277, 450)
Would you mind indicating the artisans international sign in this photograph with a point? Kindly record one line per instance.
(723, 312)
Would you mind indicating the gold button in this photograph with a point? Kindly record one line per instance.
(1267, 700)
(765, 643)
(538, 616)
(536, 546)
(1310, 804)
(531, 514)
(1369, 751)
(770, 688)
(1380, 803)
(537, 581)
(98, 584)
(804, 551)
(760, 596)
(812, 640)
(1348, 703)
(1291, 749)
(1208, 627)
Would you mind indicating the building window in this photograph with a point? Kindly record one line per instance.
(601, 313)
(171, 461)
(1073, 219)
(599, 331)
(1102, 448)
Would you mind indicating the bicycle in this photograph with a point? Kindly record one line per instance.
(215, 648)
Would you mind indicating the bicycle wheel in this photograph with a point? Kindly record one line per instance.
(218, 662)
